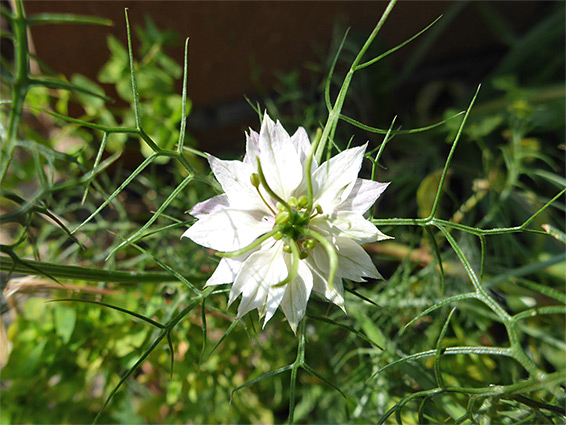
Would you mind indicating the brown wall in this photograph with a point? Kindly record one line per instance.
(227, 37)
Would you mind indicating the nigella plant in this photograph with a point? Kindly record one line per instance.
(286, 225)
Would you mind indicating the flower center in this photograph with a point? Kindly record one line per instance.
(292, 220)
(291, 225)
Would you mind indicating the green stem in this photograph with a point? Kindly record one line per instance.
(299, 362)
(334, 115)
(19, 88)
(330, 251)
(249, 247)
(268, 189)
(294, 266)
(40, 268)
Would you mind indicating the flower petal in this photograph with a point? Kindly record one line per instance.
(279, 158)
(234, 177)
(355, 226)
(225, 272)
(274, 297)
(252, 148)
(228, 229)
(210, 205)
(333, 180)
(353, 262)
(363, 195)
(298, 291)
(320, 285)
(260, 271)
(303, 145)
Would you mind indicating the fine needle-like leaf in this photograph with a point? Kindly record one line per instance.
(183, 127)
(126, 182)
(113, 307)
(155, 216)
(331, 72)
(96, 161)
(343, 326)
(314, 373)
(438, 354)
(449, 159)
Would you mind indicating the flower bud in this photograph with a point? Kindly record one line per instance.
(303, 255)
(287, 248)
(303, 201)
(318, 209)
(277, 236)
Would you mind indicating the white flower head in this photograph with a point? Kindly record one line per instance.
(283, 230)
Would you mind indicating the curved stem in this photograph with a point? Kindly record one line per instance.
(330, 251)
(294, 266)
(268, 189)
(248, 248)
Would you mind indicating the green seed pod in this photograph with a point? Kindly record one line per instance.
(282, 217)
(254, 179)
(293, 203)
(309, 244)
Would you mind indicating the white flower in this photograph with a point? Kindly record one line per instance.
(278, 245)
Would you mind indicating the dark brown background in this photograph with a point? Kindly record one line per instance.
(227, 39)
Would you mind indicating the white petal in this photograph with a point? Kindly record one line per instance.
(228, 229)
(252, 148)
(320, 285)
(234, 177)
(274, 297)
(225, 272)
(294, 303)
(302, 143)
(353, 262)
(279, 159)
(363, 195)
(355, 226)
(260, 271)
(335, 178)
(210, 205)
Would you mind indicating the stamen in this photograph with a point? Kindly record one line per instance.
(268, 189)
(330, 251)
(248, 248)
(294, 265)
(318, 210)
(255, 181)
